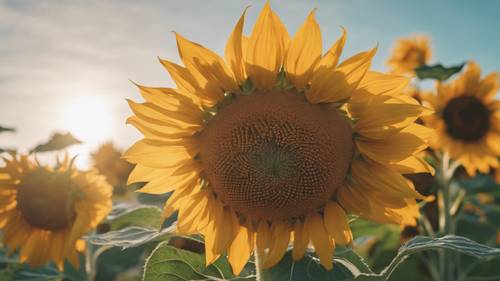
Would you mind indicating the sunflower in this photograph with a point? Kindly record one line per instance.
(45, 211)
(467, 119)
(276, 144)
(108, 162)
(410, 53)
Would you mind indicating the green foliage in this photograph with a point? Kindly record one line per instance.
(172, 264)
(132, 236)
(347, 265)
(437, 72)
(57, 142)
(124, 215)
(116, 262)
(422, 243)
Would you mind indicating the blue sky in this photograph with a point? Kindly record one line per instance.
(66, 65)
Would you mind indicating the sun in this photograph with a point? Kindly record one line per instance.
(90, 119)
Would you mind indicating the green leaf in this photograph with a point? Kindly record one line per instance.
(7, 129)
(479, 184)
(172, 264)
(422, 243)
(132, 236)
(437, 72)
(347, 265)
(124, 215)
(115, 262)
(57, 142)
(374, 241)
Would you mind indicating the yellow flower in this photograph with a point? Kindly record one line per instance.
(467, 119)
(44, 212)
(276, 144)
(108, 162)
(409, 53)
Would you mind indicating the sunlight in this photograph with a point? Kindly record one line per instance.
(90, 119)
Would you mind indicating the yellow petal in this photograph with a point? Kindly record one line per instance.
(322, 242)
(303, 53)
(167, 183)
(300, 240)
(336, 224)
(336, 84)
(163, 117)
(225, 231)
(372, 176)
(211, 231)
(383, 84)
(265, 51)
(145, 153)
(207, 63)
(154, 131)
(240, 249)
(409, 141)
(413, 164)
(331, 58)
(170, 99)
(384, 116)
(182, 78)
(281, 237)
(263, 237)
(193, 216)
(234, 51)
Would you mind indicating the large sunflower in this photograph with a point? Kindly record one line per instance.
(467, 119)
(276, 144)
(44, 212)
(409, 53)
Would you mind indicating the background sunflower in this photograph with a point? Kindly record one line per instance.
(45, 212)
(467, 119)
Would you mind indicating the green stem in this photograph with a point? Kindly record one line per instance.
(447, 171)
(258, 265)
(89, 263)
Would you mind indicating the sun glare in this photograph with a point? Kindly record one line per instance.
(90, 119)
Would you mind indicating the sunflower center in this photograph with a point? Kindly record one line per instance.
(466, 118)
(273, 155)
(44, 202)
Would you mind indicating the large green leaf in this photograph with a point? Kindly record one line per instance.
(132, 236)
(173, 264)
(124, 215)
(438, 71)
(57, 142)
(422, 243)
(116, 262)
(347, 265)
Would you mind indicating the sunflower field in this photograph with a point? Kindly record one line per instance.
(280, 158)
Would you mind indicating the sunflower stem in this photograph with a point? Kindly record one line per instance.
(89, 262)
(258, 265)
(446, 175)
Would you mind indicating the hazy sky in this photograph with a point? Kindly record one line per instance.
(66, 65)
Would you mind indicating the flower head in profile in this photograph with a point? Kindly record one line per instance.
(45, 211)
(467, 119)
(108, 162)
(276, 143)
(410, 53)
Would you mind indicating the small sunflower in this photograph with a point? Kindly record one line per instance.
(44, 212)
(410, 53)
(274, 145)
(108, 162)
(467, 119)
